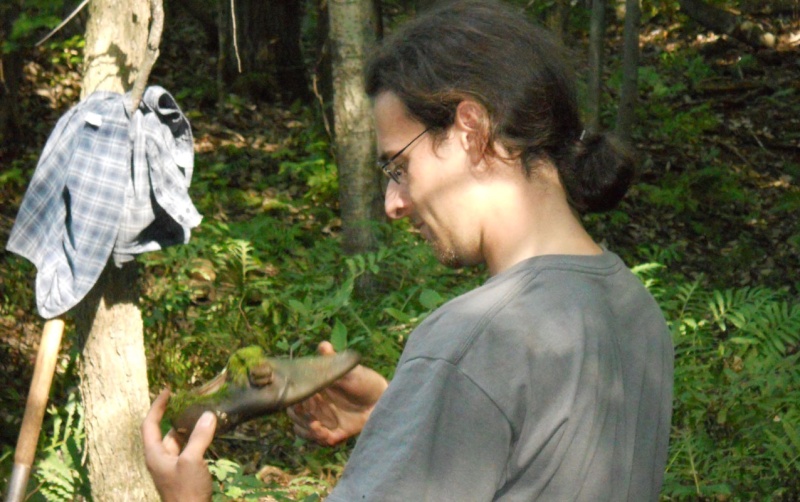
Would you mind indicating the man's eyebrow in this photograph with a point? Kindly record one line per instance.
(385, 156)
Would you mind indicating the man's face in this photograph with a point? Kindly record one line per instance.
(438, 194)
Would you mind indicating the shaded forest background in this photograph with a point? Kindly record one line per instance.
(711, 226)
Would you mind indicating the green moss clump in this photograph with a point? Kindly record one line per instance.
(235, 375)
(241, 362)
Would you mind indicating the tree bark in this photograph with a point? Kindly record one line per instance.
(352, 34)
(597, 29)
(267, 38)
(629, 91)
(223, 29)
(108, 321)
(116, 40)
(11, 66)
(558, 19)
(322, 71)
(114, 387)
(206, 13)
(726, 23)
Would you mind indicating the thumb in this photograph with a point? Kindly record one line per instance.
(326, 349)
(202, 435)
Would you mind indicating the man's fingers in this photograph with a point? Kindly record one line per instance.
(201, 437)
(172, 443)
(295, 413)
(325, 349)
(301, 431)
(151, 426)
(323, 435)
(315, 432)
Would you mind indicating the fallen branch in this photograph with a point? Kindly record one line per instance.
(724, 22)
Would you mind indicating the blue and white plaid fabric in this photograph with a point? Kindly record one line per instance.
(94, 189)
(163, 160)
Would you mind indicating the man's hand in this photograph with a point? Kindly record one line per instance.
(178, 475)
(341, 410)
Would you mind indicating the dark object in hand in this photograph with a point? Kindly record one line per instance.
(253, 385)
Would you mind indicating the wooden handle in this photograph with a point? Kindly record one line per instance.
(39, 392)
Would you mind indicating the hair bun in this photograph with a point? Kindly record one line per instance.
(602, 171)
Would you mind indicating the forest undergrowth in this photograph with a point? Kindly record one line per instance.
(711, 227)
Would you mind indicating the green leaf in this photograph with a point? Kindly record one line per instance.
(298, 307)
(430, 299)
(791, 433)
(222, 468)
(398, 314)
(235, 492)
(339, 336)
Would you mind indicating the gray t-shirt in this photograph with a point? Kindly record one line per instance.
(552, 381)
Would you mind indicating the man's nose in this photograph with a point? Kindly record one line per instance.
(396, 203)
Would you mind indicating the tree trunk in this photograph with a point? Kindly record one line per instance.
(11, 70)
(322, 71)
(726, 23)
(286, 17)
(11, 66)
(114, 387)
(267, 38)
(223, 29)
(629, 91)
(206, 13)
(597, 29)
(108, 321)
(116, 38)
(559, 18)
(352, 34)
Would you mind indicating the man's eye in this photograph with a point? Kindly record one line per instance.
(399, 170)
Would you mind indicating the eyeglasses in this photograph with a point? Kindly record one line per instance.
(396, 172)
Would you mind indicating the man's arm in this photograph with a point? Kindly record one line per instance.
(434, 435)
(341, 410)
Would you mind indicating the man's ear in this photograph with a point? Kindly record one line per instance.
(472, 127)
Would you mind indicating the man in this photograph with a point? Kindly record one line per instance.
(551, 381)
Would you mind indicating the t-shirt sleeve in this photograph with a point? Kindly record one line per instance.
(434, 435)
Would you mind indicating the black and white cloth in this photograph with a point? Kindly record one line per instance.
(107, 183)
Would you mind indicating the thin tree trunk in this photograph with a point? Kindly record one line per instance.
(223, 28)
(597, 29)
(116, 38)
(114, 387)
(287, 16)
(108, 321)
(352, 33)
(11, 66)
(629, 92)
(726, 23)
(559, 18)
(267, 39)
(323, 79)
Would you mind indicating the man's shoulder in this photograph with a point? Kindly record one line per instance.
(523, 307)
(451, 331)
